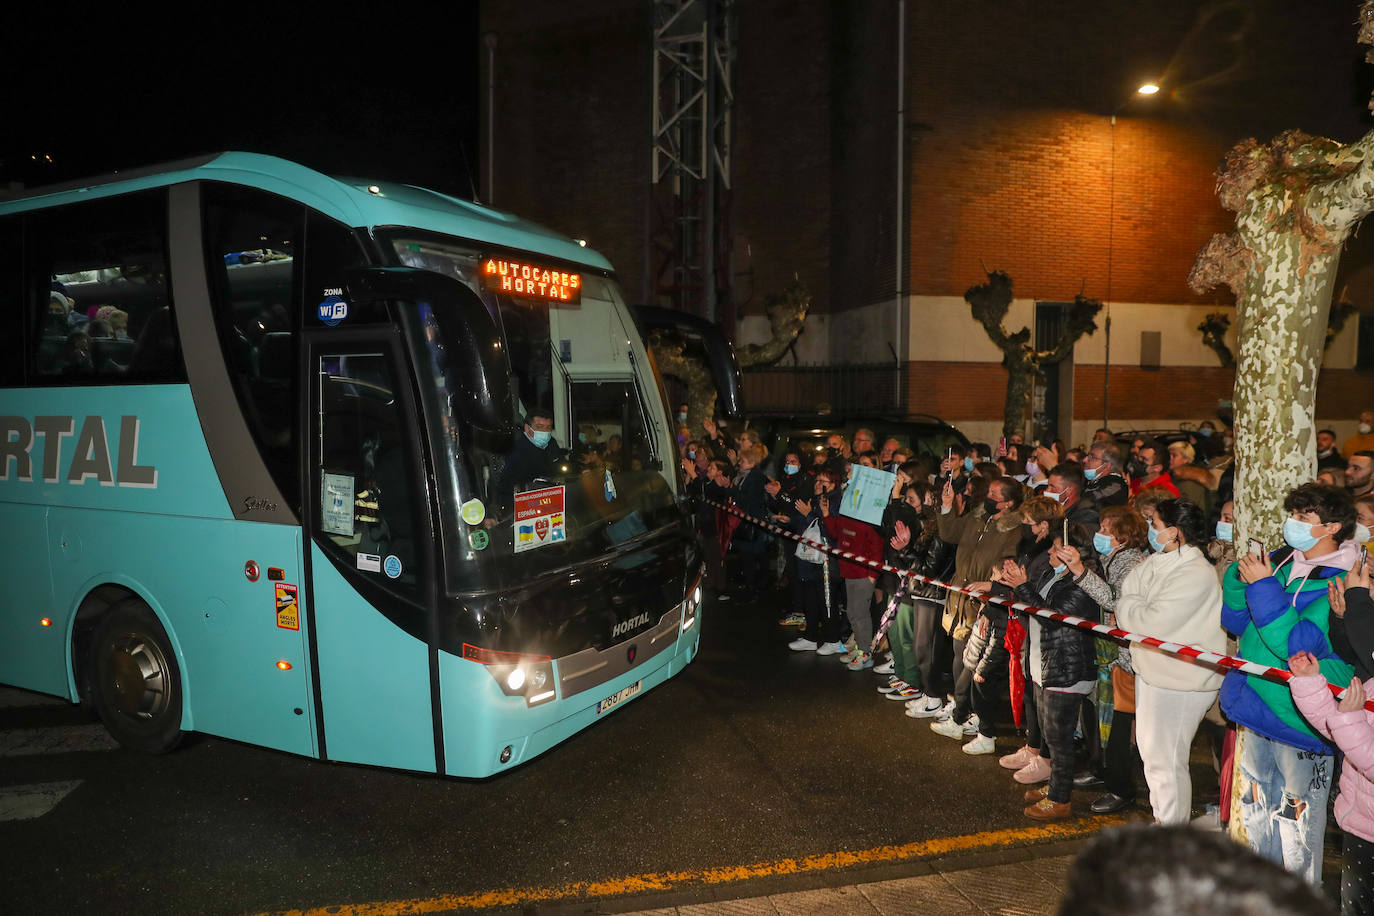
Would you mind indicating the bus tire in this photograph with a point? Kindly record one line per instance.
(135, 682)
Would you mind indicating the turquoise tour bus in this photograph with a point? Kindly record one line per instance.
(272, 470)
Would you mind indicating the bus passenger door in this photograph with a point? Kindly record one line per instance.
(370, 553)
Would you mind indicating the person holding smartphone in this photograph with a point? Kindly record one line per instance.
(1352, 616)
(1279, 605)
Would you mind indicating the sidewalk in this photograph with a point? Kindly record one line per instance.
(1024, 880)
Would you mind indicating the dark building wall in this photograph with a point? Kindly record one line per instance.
(571, 121)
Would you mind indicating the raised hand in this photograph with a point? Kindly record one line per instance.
(1304, 664)
(1354, 696)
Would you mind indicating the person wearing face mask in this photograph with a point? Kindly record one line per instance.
(1150, 468)
(983, 536)
(1364, 520)
(794, 484)
(1221, 549)
(916, 546)
(534, 457)
(1327, 456)
(819, 592)
(713, 483)
(1063, 661)
(1066, 486)
(1120, 544)
(1279, 605)
(1103, 480)
(1173, 595)
(1363, 440)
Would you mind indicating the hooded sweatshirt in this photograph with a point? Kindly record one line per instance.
(1276, 618)
(1175, 597)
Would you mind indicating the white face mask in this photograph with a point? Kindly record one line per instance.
(1364, 429)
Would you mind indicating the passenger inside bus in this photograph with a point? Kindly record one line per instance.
(534, 457)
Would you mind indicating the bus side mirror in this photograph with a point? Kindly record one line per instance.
(478, 368)
(720, 356)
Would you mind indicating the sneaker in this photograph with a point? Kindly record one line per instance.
(850, 643)
(906, 693)
(893, 684)
(1034, 795)
(923, 708)
(803, 645)
(848, 656)
(983, 744)
(830, 648)
(1038, 770)
(1019, 759)
(971, 725)
(793, 620)
(949, 728)
(1046, 810)
(1210, 819)
(860, 661)
(886, 667)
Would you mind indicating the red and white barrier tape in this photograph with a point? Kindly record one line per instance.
(1172, 648)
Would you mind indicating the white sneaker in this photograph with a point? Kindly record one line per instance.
(923, 707)
(971, 725)
(982, 744)
(803, 645)
(949, 728)
(830, 648)
(885, 668)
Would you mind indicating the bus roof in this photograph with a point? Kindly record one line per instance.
(358, 202)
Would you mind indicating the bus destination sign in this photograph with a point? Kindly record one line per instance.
(531, 280)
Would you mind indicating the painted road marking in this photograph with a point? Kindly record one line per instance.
(14, 698)
(64, 739)
(22, 803)
(663, 881)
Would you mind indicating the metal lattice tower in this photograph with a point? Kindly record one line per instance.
(690, 239)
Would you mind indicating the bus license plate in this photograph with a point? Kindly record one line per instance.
(620, 696)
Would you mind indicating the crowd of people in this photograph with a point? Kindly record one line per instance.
(1137, 535)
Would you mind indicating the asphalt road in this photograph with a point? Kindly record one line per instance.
(753, 755)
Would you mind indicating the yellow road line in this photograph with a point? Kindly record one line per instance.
(662, 881)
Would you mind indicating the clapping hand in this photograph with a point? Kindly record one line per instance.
(1013, 573)
(901, 536)
(1304, 664)
(1354, 696)
(803, 506)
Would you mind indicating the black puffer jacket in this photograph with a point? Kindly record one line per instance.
(1067, 654)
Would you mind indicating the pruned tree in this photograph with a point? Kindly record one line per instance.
(786, 312)
(1215, 325)
(1024, 364)
(1296, 200)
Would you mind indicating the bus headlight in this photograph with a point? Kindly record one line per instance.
(516, 673)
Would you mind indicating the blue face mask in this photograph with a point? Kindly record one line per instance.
(1155, 545)
(1102, 543)
(540, 438)
(968, 464)
(1059, 570)
(582, 437)
(790, 469)
(1225, 531)
(1057, 497)
(1204, 432)
(1298, 535)
(1090, 473)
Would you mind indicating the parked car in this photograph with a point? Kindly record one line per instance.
(922, 433)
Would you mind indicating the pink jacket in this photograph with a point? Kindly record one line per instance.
(1353, 733)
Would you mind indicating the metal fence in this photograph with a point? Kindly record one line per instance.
(857, 388)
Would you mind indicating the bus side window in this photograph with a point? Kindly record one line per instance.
(251, 241)
(11, 301)
(99, 296)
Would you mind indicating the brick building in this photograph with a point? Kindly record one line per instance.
(1023, 148)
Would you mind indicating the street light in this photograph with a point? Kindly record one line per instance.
(1148, 89)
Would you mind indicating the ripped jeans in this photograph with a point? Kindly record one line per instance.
(1283, 793)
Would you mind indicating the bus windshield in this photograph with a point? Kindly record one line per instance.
(603, 482)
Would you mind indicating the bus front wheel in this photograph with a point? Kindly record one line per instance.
(136, 685)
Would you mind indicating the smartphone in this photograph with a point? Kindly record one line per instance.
(1065, 541)
(1364, 556)
(949, 462)
(1256, 548)
(1002, 447)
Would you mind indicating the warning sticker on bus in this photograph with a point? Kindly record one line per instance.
(538, 518)
(288, 611)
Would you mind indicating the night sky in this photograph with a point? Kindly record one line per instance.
(347, 93)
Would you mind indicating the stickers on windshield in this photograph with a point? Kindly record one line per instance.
(370, 562)
(538, 518)
(479, 539)
(473, 512)
(333, 309)
(392, 566)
